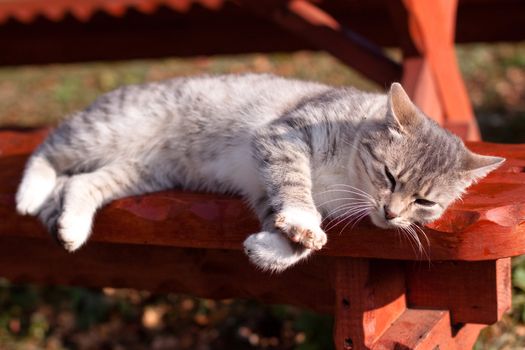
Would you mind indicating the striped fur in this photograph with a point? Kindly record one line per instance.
(297, 151)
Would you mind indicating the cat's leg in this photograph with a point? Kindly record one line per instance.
(290, 220)
(85, 193)
(270, 249)
(284, 162)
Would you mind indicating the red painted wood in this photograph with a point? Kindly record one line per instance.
(87, 31)
(427, 330)
(474, 292)
(372, 289)
(320, 29)
(370, 296)
(369, 18)
(20, 141)
(217, 274)
(367, 296)
(426, 34)
(432, 26)
(419, 84)
(503, 286)
(486, 225)
(199, 31)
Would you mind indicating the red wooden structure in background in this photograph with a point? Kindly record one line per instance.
(383, 295)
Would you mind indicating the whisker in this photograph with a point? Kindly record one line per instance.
(422, 249)
(419, 229)
(350, 204)
(361, 217)
(422, 232)
(346, 215)
(349, 212)
(355, 219)
(353, 194)
(349, 207)
(408, 238)
(416, 239)
(344, 191)
(353, 188)
(354, 200)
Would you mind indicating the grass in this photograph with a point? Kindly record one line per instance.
(33, 317)
(58, 90)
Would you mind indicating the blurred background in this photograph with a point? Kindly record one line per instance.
(36, 317)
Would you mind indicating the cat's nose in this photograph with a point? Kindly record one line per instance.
(389, 214)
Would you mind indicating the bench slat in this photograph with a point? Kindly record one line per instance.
(486, 225)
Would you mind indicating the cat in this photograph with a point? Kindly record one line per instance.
(297, 151)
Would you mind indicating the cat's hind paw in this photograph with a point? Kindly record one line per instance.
(301, 227)
(72, 230)
(32, 194)
(37, 184)
(271, 251)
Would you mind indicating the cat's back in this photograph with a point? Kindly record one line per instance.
(249, 94)
(186, 110)
(216, 98)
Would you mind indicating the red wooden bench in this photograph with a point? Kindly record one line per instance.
(383, 295)
(381, 292)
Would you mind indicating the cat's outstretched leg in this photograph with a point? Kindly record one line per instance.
(85, 193)
(283, 155)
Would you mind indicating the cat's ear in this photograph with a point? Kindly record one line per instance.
(403, 111)
(478, 166)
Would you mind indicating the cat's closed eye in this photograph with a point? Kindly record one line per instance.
(391, 179)
(424, 202)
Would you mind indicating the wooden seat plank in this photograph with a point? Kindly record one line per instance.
(486, 225)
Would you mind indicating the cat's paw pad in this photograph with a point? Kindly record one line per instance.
(302, 227)
(72, 230)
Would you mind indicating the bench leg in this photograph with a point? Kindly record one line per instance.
(371, 311)
(370, 296)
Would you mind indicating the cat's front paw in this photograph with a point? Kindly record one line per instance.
(272, 251)
(302, 227)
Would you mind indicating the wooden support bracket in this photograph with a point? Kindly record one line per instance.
(320, 29)
(474, 292)
(426, 35)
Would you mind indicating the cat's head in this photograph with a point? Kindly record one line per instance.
(413, 168)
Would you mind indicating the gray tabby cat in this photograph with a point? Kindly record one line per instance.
(297, 151)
